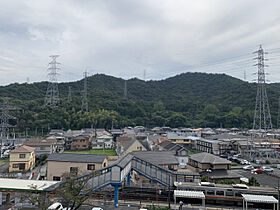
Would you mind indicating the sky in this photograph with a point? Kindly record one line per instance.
(124, 38)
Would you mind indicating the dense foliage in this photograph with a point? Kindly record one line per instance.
(189, 100)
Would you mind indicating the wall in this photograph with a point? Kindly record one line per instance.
(55, 168)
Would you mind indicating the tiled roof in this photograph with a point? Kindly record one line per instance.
(209, 158)
(80, 158)
(23, 148)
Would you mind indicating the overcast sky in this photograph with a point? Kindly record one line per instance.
(124, 37)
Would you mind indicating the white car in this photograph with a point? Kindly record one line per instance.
(267, 169)
(245, 162)
(249, 167)
(56, 206)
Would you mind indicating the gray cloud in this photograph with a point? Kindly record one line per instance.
(124, 37)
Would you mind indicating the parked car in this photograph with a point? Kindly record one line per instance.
(244, 162)
(237, 156)
(249, 167)
(56, 206)
(257, 171)
(267, 169)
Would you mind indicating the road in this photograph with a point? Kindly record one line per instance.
(264, 179)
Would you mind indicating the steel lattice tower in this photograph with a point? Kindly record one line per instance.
(69, 99)
(5, 117)
(125, 89)
(52, 94)
(85, 95)
(262, 117)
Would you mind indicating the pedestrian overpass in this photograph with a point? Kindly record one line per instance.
(115, 175)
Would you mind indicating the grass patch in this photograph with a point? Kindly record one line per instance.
(191, 152)
(3, 161)
(108, 152)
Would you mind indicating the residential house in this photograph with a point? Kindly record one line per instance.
(80, 143)
(69, 136)
(42, 146)
(103, 141)
(182, 139)
(22, 158)
(134, 145)
(165, 159)
(213, 167)
(61, 163)
(179, 150)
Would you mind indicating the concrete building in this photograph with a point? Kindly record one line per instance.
(22, 158)
(209, 146)
(59, 164)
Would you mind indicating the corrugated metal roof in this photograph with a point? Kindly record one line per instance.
(189, 194)
(259, 198)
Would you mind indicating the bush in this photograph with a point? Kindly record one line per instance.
(267, 162)
(231, 181)
(234, 164)
(253, 182)
(204, 178)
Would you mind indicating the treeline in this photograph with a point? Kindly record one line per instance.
(186, 100)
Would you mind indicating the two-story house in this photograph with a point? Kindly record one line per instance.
(62, 163)
(42, 146)
(103, 141)
(22, 159)
(80, 143)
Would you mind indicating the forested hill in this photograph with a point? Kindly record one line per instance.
(189, 99)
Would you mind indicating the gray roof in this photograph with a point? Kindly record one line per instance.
(80, 158)
(221, 174)
(157, 157)
(209, 158)
(144, 143)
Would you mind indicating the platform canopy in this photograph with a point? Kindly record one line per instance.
(189, 194)
(259, 198)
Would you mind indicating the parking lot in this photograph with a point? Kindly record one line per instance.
(264, 179)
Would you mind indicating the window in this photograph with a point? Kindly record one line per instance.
(104, 165)
(229, 193)
(15, 165)
(220, 193)
(90, 167)
(74, 170)
(21, 155)
(84, 145)
(210, 192)
(56, 178)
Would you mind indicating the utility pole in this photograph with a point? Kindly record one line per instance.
(69, 98)
(262, 117)
(278, 115)
(245, 75)
(144, 75)
(52, 94)
(125, 89)
(85, 98)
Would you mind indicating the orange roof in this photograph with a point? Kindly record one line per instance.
(23, 148)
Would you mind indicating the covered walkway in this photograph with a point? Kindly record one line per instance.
(247, 198)
(189, 194)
